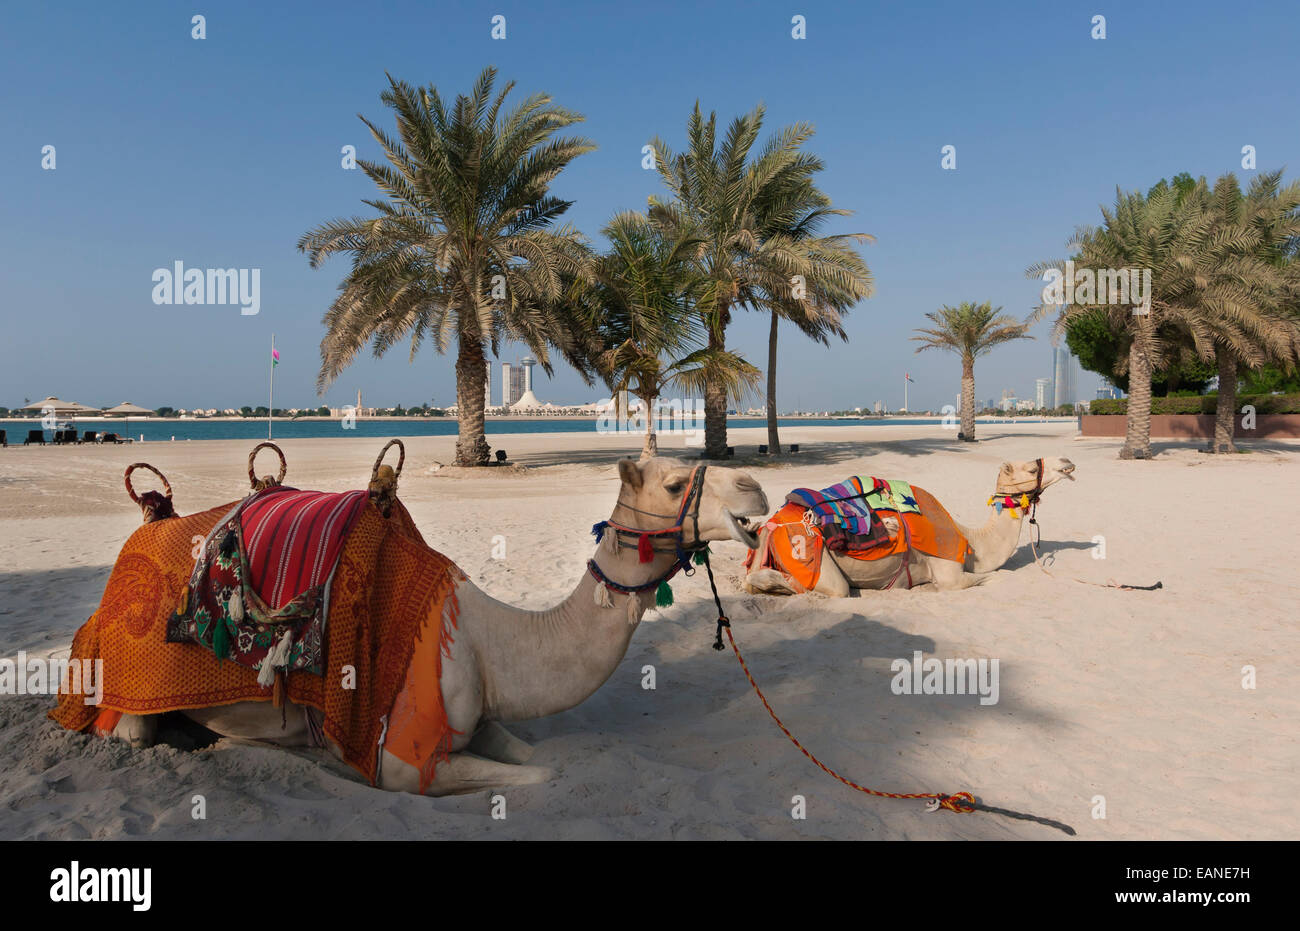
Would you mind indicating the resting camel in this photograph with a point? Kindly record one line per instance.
(507, 664)
(993, 544)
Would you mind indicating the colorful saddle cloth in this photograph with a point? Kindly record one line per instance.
(794, 549)
(259, 592)
(846, 513)
(392, 602)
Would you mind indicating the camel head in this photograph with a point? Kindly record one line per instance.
(1016, 478)
(652, 491)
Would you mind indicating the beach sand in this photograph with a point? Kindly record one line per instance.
(1132, 696)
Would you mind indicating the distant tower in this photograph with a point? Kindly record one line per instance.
(1043, 393)
(1064, 372)
(358, 402)
(506, 400)
(528, 364)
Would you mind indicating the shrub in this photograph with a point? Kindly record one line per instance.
(1203, 404)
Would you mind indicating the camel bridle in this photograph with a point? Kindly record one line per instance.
(689, 510)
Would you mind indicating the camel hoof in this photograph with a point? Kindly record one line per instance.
(767, 582)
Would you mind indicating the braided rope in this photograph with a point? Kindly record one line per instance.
(960, 802)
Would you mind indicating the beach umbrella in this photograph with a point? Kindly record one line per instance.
(126, 408)
(61, 408)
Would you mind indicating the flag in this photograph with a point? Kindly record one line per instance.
(275, 358)
(909, 378)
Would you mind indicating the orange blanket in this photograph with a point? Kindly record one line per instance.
(790, 548)
(389, 596)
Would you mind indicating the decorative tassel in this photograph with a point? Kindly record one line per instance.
(610, 543)
(277, 697)
(664, 594)
(602, 596)
(633, 606)
(701, 556)
(1024, 501)
(1015, 515)
(235, 607)
(598, 530)
(276, 657)
(644, 550)
(221, 639)
(997, 506)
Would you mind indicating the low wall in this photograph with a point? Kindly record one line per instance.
(1193, 426)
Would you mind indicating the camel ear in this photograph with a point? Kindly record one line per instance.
(629, 473)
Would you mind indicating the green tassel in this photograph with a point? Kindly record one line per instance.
(664, 595)
(220, 639)
(700, 556)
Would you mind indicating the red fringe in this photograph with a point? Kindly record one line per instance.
(643, 548)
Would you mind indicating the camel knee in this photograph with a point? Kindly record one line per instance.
(138, 730)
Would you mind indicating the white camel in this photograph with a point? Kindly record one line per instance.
(993, 544)
(507, 664)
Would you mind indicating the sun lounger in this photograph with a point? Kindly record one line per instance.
(90, 436)
(4, 437)
(114, 438)
(35, 436)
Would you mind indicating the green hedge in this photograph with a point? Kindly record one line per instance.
(1205, 404)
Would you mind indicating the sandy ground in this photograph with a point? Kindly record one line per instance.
(1136, 697)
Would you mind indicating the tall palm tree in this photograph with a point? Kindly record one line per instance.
(1247, 286)
(826, 277)
(463, 249)
(737, 204)
(970, 330)
(648, 336)
(1161, 232)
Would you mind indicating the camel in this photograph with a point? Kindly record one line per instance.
(993, 544)
(508, 664)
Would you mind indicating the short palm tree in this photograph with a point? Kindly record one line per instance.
(1161, 232)
(463, 249)
(1247, 288)
(737, 204)
(641, 308)
(970, 330)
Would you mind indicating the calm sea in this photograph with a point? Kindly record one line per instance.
(165, 430)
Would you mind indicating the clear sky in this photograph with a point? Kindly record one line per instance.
(221, 152)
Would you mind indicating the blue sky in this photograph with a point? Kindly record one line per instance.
(222, 152)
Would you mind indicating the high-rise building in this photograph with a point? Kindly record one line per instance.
(506, 399)
(1043, 393)
(1063, 369)
(527, 364)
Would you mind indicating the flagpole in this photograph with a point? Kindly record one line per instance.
(905, 380)
(270, 400)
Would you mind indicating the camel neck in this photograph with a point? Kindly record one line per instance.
(537, 663)
(997, 540)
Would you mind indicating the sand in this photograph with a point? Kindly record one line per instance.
(1132, 696)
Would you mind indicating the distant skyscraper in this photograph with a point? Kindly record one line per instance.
(527, 364)
(1063, 367)
(506, 400)
(1043, 393)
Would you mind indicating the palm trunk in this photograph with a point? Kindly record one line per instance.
(651, 446)
(773, 438)
(471, 444)
(715, 397)
(1137, 427)
(1225, 411)
(968, 400)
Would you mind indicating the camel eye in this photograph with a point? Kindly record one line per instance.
(675, 488)
(1033, 470)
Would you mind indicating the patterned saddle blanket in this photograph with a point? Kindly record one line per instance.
(259, 592)
(845, 513)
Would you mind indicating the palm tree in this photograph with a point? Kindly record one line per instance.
(1162, 233)
(648, 336)
(463, 248)
(826, 277)
(1247, 287)
(738, 205)
(970, 330)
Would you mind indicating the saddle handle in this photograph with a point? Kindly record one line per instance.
(253, 480)
(401, 458)
(167, 488)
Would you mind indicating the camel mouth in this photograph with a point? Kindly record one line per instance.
(1068, 471)
(741, 529)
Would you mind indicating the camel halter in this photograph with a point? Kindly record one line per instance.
(644, 545)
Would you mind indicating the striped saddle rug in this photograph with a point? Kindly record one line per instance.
(259, 592)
